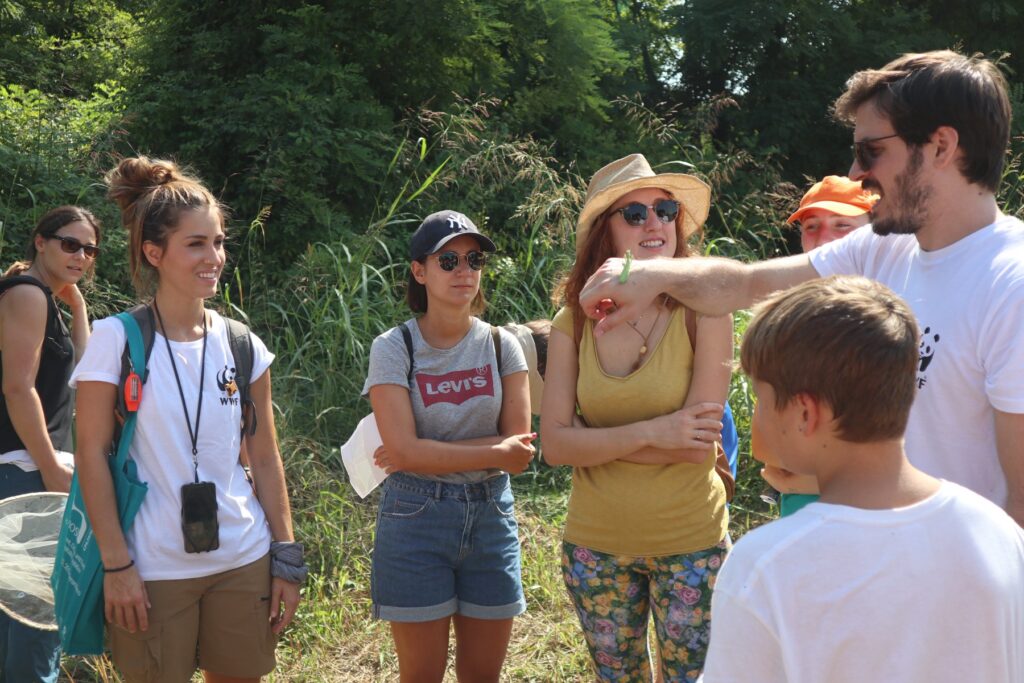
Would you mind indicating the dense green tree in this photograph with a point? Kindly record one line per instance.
(561, 53)
(258, 98)
(289, 107)
(292, 110)
(643, 29)
(61, 66)
(786, 61)
(546, 59)
(65, 48)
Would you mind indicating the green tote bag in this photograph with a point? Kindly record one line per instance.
(78, 570)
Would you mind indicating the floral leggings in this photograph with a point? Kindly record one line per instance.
(614, 596)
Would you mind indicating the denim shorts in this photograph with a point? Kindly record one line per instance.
(444, 549)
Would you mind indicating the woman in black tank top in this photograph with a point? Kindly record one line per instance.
(37, 354)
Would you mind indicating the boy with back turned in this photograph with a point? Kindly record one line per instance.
(892, 575)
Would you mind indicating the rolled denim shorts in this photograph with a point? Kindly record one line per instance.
(444, 549)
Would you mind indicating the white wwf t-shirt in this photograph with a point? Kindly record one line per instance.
(835, 594)
(162, 449)
(969, 302)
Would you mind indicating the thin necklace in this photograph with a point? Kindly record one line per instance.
(644, 337)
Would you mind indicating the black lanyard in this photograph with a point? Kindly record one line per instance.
(202, 376)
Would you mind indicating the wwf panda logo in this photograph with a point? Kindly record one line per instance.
(226, 381)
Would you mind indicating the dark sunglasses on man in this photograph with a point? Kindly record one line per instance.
(635, 213)
(865, 154)
(449, 260)
(69, 245)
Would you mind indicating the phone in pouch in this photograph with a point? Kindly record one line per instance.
(199, 517)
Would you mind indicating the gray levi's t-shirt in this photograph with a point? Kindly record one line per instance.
(456, 392)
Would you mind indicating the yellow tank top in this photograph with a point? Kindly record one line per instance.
(626, 508)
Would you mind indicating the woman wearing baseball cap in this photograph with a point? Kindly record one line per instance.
(451, 400)
(646, 525)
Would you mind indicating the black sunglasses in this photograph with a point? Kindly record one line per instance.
(69, 245)
(635, 213)
(449, 260)
(867, 155)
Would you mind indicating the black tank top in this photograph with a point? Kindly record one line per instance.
(56, 362)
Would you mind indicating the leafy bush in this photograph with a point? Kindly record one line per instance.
(53, 150)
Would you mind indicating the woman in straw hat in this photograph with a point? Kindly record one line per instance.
(646, 525)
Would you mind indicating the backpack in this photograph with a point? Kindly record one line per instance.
(407, 336)
(240, 342)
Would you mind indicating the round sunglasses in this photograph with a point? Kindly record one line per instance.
(69, 245)
(635, 213)
(449, 260)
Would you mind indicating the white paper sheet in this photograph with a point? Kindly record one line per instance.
(357, 455)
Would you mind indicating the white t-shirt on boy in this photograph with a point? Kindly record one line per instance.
(162, 449)
(837, 594)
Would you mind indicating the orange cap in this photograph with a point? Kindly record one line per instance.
(837, 194)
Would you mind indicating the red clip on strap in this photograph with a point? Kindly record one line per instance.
(132, 392)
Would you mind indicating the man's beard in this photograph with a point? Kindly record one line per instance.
(907, 203)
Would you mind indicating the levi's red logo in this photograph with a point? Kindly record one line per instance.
(455, 387)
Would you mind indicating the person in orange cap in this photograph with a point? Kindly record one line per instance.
(833, 208)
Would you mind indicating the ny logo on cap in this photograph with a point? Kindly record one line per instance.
(456, 222)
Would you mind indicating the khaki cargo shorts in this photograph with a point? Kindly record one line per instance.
(220, 623)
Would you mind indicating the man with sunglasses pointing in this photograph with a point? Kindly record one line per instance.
(930, 137)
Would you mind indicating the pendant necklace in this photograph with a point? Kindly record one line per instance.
(644, 337)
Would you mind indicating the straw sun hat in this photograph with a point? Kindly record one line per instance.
(632, 173)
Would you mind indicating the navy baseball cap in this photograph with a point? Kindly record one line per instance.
(438, 229)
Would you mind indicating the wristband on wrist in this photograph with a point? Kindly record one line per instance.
(286, 562)
(119, 569)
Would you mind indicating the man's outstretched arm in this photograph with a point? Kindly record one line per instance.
(711, 286)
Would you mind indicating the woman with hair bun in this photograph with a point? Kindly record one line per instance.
(37, 354)
(172, 602)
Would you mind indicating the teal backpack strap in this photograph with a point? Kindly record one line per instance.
(136, 352)
(144, 324)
